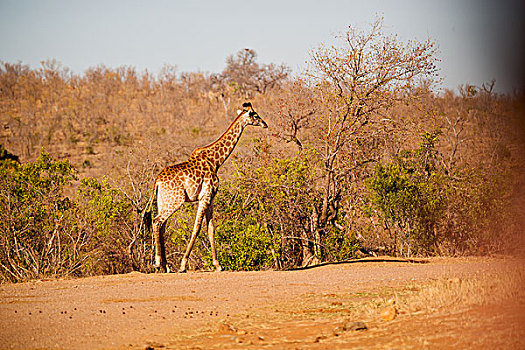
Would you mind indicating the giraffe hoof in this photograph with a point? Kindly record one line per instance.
(217, 265)
(182, 271)
(161, 269)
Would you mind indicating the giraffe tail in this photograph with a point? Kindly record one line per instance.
(147, 220)
(147, 214)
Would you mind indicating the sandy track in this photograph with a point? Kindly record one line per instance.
(134, 310)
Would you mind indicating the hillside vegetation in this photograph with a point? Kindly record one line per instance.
(362, 156)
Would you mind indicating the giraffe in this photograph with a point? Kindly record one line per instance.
(191, 181)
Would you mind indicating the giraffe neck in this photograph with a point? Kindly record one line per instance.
(217, 152)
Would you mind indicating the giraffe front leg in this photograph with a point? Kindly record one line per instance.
(211, 237)
(203, 204)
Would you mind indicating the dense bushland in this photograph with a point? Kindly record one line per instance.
(362, 156)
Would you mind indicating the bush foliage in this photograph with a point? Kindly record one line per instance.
(38, 224)
(410, 193)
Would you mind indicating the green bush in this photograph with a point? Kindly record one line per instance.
(243, 246)
(434, 211)
(45, 233)
(38, 225)
(409, 192)
(265, 216)
(109, 221)
(339, 245)
(261, 212)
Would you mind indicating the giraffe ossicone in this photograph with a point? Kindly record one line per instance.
(195, 180)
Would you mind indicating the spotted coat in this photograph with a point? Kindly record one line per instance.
(196, 180)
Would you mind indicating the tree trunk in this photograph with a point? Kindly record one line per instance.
(307, 255)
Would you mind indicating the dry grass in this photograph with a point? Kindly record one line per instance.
(447, 294)
(457, 293)
(444, 295)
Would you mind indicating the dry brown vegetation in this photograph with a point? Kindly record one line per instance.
(362, 156)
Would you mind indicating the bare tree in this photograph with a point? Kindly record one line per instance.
(368, 72)
(248, 76)
(296, 114)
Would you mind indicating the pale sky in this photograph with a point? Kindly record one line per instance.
(478, 39)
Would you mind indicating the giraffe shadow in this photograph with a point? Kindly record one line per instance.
(362, 260)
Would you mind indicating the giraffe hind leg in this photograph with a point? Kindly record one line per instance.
(159, 229)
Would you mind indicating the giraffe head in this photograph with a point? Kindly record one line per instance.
(250, 115)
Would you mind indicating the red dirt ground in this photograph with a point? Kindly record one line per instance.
(207, 310)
